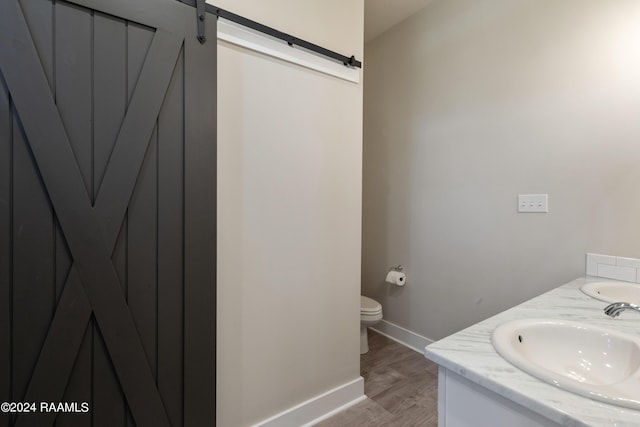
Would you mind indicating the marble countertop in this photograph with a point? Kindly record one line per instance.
(470, 354)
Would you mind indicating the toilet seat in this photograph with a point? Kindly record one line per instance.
(370, 311)
(369, 307)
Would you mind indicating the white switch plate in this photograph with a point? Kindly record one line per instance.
(533, 203)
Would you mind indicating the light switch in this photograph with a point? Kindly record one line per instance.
(533, 203)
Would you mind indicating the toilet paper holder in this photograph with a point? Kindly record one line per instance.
(399, 268)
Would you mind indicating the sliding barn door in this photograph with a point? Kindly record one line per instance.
(107, 213)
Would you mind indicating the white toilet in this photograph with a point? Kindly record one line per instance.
(370, 314)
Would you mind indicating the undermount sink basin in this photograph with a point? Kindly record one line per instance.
(613, 291)
(598, 363)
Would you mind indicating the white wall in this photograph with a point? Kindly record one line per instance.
(289, 219)
(468, 104)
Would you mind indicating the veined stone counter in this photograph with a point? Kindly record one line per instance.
(470, 354)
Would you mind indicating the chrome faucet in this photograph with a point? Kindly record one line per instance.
(616, 308)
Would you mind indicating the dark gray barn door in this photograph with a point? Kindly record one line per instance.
(107, 212)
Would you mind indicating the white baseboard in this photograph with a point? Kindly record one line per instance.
(320, 407)
(404, 336)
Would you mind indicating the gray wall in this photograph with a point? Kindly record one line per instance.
(289, 216)
(471, 102)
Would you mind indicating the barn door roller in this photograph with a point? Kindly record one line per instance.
(200, 12)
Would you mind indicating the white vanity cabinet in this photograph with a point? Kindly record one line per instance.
(478, 388)
(462, 403)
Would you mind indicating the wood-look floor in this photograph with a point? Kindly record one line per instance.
(401, 386)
